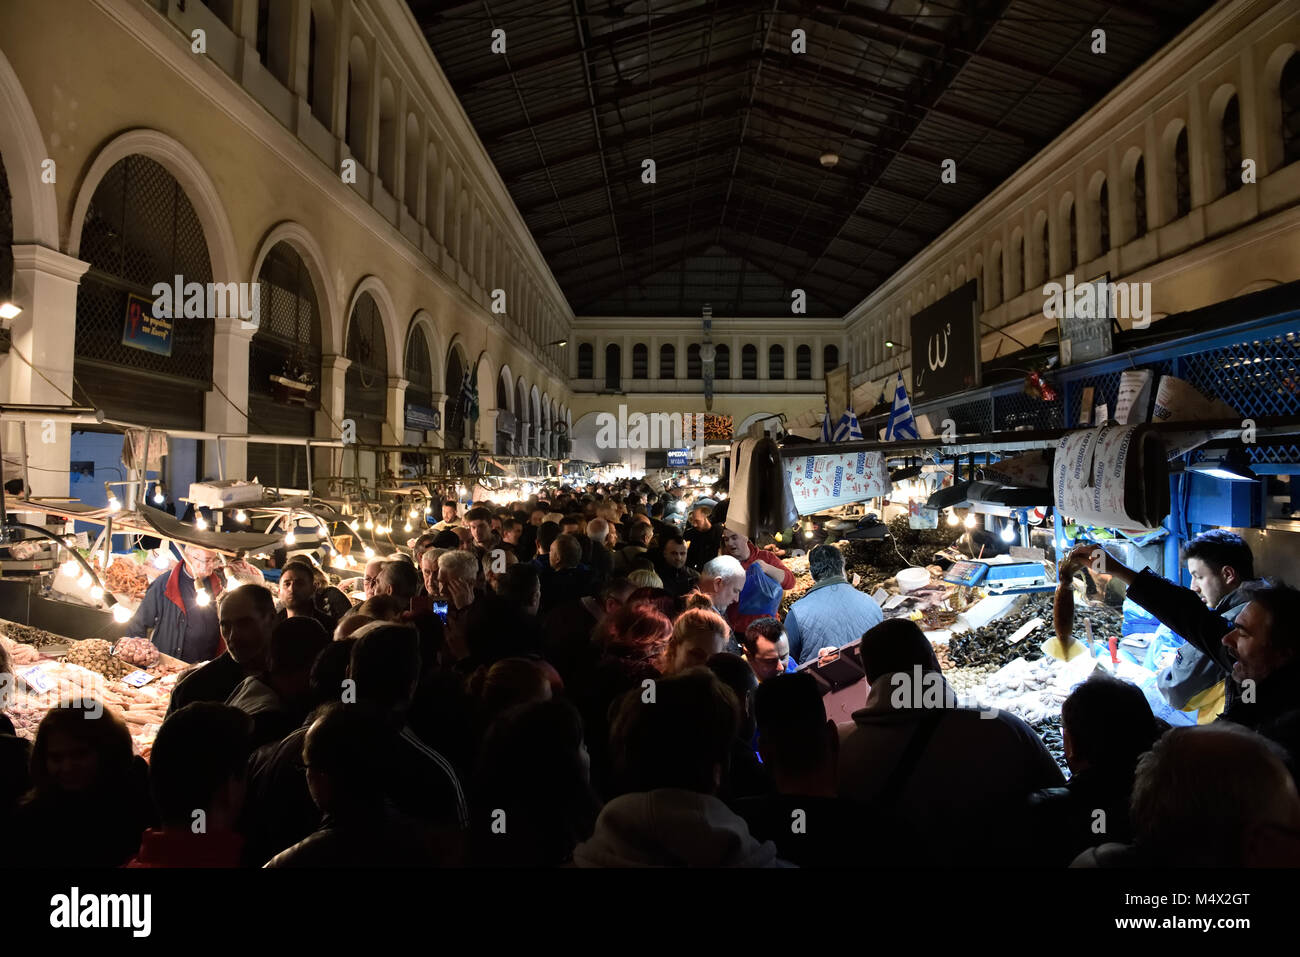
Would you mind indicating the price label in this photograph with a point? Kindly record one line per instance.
(138, 679)
(37, 680)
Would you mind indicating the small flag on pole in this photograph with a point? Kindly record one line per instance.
(846, 430)
(901, 424)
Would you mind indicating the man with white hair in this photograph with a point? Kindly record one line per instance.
(458, 573)
(721, 579)
(602, 559)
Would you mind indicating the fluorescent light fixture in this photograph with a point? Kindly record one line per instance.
(1224, 470)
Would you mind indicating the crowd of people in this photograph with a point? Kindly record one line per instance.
(582, 681)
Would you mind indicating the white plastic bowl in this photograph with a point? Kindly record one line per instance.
(910, 579)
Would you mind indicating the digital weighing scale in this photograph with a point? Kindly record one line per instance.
(1007, 578)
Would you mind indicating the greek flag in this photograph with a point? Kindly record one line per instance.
(469, 396)
(901, 424)
(845, 430)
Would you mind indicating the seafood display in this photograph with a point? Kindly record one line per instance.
(96, 654)
(28, 635)
(126, 577)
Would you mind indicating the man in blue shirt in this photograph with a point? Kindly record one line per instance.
(832, 613)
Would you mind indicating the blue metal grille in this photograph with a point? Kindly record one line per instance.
(1015, 410)
(1257, 378)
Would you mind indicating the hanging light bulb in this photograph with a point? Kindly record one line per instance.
(202, 598)
(352, 562)
(969, 521)
(121, 613)
(160, 561)
(406, 527)
(158, 495)
(241, 516)
(70, 568)
(290, 538)
(85, 581)
(200, 523)
(369, 552)
(231, 580)
(96, 593)
(1008, 533)
(808, 533)
(354, 525)
(952, 517)
(369, 524)
(413, 513)
(113, 504)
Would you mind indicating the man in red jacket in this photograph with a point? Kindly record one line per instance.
(766, 581)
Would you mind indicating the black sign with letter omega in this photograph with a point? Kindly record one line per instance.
(945, 347)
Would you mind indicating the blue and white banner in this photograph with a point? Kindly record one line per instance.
(901, 423)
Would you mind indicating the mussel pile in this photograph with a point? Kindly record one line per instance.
(1049, 730)
(988, 645)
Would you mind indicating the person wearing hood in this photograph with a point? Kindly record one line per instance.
(918, 751)
(766, 581)
(669, 757)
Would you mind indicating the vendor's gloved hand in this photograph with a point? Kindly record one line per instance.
(1097, 558)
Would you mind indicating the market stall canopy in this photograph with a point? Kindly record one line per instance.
(228, 543)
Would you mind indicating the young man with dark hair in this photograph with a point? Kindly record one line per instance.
(197, 774)
(703, 537)
(450, 518)
(479, 520)
(767, 650)
(278, 700)
(678, 578)
(1220, 564)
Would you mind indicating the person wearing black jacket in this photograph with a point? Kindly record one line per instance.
(1107, 725)
(1260, 651)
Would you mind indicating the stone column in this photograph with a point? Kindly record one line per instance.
(45, 287)
(395, 420)
(329, 420)
(228, 413)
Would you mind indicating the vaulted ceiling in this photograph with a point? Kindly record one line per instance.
(741, 210)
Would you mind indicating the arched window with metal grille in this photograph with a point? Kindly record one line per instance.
(586, 361)
(694, 367)
(1140, 198)
(365, 397)
(749, 361)
(640, 361)
(776, 362)
(1289, 92)
(284, 367)
(722, 362)
(141, 229)
(830, 358)
(1230, 127)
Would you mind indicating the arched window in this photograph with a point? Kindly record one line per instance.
(354, 131)
(830, 358)
(694, 368)
(274, 26)
(286, 346)
(1045, 250)
(803, 362)
(1231, 131)
(366, 388)
(419, 370)
(1182, 176)
(387, 136)
(320, 61)
(749, 361)
(1289, 90)
(586, 361)
(141, 228)
(667, 361)
(411, 199)
(722, 363)
(1140, 198)
(640, 361)
(223, 10)
(1103, 218)
(775, 362)
(1073, 226)
(994, 296)
(613, 366)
